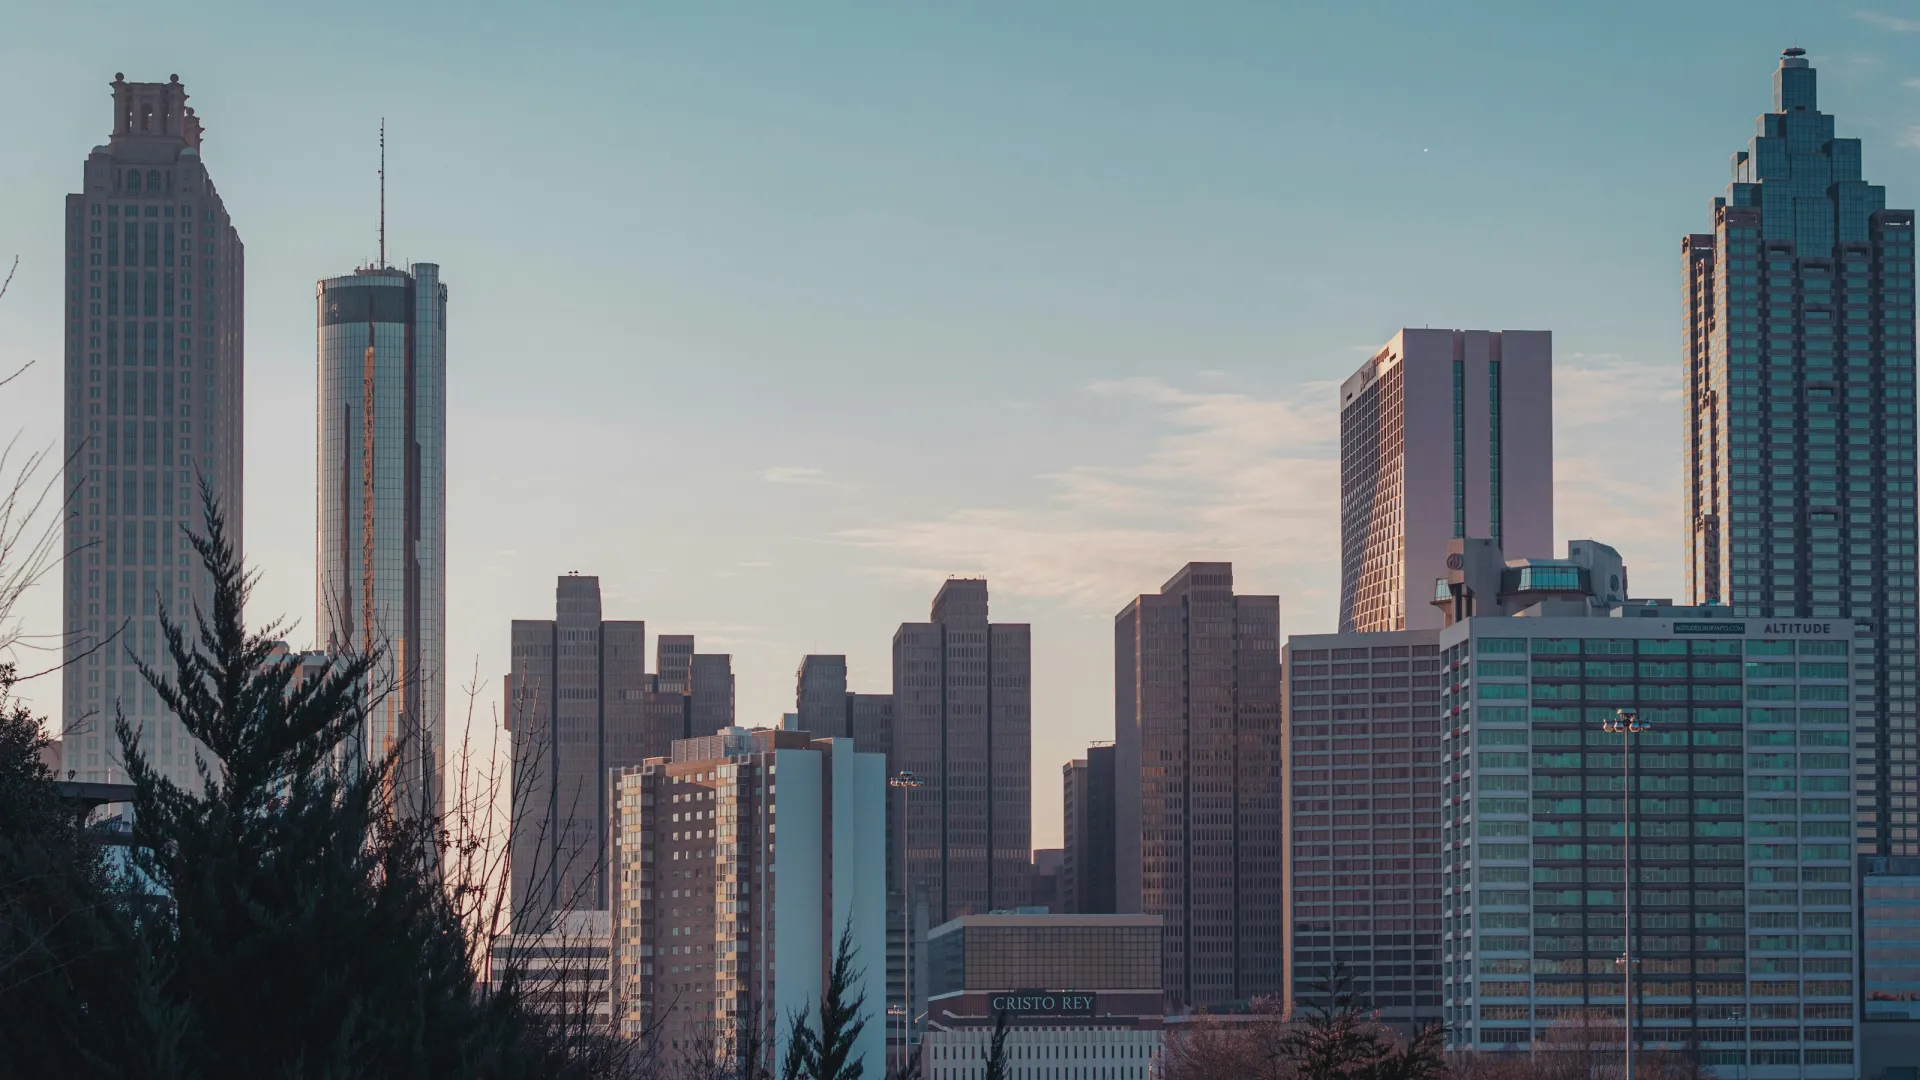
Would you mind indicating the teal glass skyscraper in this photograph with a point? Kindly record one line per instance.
(381, 582)
(1800, 466)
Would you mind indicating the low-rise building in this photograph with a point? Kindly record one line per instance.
(1890, 969)
(563, 972)
(1082, 995)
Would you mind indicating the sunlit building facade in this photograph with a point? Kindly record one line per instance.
(380, 588)
(739, 861)
(1443, 434)
(154, 383)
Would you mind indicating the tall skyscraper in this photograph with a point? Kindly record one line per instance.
(1414, 475)
(382, 576)
(826, 708)
(576, 707)
(963, 712)
(1800, 436)
(1197, 768)
(154, 380)
(1087, 867)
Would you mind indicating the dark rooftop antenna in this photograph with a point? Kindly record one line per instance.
(383, 193)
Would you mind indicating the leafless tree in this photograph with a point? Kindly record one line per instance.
(1586, 1044)
(480, 823)
(29, 535)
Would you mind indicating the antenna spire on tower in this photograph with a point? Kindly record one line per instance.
(383, 193)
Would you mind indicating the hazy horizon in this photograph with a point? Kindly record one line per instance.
(775, 319)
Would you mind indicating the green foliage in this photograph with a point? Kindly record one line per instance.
(997, 1048)
(64, 940)
(796, 1064)
(826, 1052)
(280, 920)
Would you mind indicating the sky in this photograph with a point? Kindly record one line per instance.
(775, 316)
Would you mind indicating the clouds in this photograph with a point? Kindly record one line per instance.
(1910, 137)
(794, 474)
(1895, 23)
(1221, 476)
(1618, 462)
(1255, 480)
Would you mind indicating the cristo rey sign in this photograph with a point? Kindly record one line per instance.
(1042, 1003)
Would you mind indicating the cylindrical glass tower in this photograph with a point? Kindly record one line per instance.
(382, 431)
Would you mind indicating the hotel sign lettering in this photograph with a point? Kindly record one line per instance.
(1709, 628)
(1042, 1003)
(1723, 628)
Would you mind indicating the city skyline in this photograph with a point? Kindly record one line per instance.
(885, 554)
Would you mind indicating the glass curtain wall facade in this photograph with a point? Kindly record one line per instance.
(1800, 463)
(382, 408)
(154, 384)
(1744, 893)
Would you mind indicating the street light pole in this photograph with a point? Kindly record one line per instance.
(1627, 723)
(905, 781)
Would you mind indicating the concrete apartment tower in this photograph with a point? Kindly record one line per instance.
(1197, 764)
(381, 399)
(1443, 434)
(1800, 422)
(576, 707)
(155, 372)
(718, 918)
(963, 712)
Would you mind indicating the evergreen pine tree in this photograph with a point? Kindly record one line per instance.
(306, 930)
(997, 1048)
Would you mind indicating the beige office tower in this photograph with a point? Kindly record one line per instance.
(1199, 817)
(576, 708)
(153, 335)
(1443, 434)
(963, 712)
